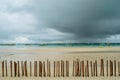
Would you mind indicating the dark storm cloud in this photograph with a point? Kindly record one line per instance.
(83, 18)
(59, 21)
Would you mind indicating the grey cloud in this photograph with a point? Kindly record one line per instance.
(83, 18)
(74, 20)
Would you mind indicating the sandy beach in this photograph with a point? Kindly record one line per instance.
(60, 53)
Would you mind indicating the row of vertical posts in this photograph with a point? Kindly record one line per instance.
(61, 68)
(87, 68)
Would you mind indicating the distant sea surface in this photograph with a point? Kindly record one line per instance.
(58, 45)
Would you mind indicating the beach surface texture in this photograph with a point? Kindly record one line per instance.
(90, 54)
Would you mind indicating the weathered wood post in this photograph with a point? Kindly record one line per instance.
(114, 67)
(22, 68)
(107, 67)
(67, 68)
(15, 69)
(83, 68)
(35, 68)
(79, 68)
(6, 68)
(87, 68)
(25, 67)
(30, 68)
(40, 68)
(73, 68)
(2, 68)
(11, 68)
(91, 68)
(111, 68)
(118, 68)
(49, 69)
(44, 71)
(77, 64)
(18, 69)
(96, 68)
(102, 68)
(58, 68)
(61, 69)
(54, 68)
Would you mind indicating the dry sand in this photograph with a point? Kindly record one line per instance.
(54, 54)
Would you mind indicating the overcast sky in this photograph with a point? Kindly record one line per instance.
(51, 21)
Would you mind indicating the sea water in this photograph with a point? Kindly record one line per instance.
(58, 45)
